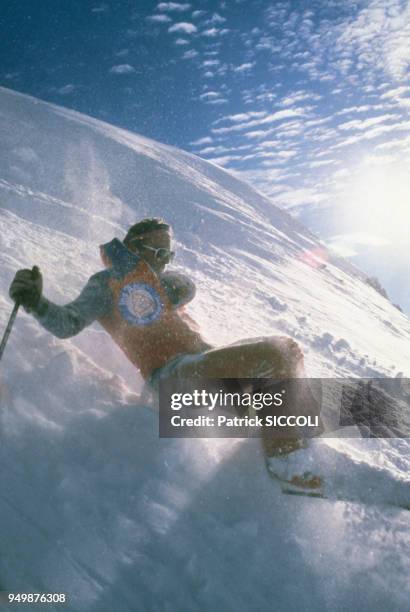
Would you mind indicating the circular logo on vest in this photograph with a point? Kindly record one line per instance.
(140, 304)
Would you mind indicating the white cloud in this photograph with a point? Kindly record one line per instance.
(66, 89)
(397, 143)
(208, 63)
(181, 41)
(197, 14)
(395, 93)
(363, 124)
(214, 32)
(241, 117)
(244, 67)
(158, 18)
(255, 134)
(299, 96)
(212, 97)
(218, 101)
(216, 18)
(209, 94)
(183, 26)
(277, 156)
(379, 37)
(213, 150)
(269, 144)
(400, 96)
(320, 163)
(371, 37)
(222, 149)
(265, 97)
(202, 141)
(173, 7)
(122, 69)
(277, 116)
(289, 129)
(190, 54)
(375, 132)
(364, 108)
(210, 32)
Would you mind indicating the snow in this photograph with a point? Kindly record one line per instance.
(92, 502)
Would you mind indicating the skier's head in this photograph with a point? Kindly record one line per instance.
(151, 239)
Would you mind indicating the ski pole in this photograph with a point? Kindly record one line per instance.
(8, 328)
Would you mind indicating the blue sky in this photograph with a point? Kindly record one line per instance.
(307, 100)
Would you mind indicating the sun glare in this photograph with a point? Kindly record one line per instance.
(378, 201)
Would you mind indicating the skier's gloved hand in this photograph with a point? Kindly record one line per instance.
(27, 287)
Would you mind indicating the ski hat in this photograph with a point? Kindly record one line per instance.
(150, 224)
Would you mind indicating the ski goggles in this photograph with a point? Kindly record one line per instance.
(161, 253)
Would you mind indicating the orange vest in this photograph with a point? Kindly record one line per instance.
(142, 321)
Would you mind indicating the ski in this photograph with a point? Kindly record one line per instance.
(288, 488)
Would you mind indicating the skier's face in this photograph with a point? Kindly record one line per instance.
(155, 248)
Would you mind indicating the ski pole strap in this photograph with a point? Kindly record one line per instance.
(8, 328)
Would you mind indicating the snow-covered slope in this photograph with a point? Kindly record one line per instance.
(92, 502)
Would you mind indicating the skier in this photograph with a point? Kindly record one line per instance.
(170, 346)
